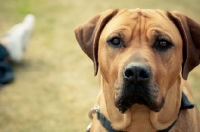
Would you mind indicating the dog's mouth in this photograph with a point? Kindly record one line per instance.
(137, 95)
(124, 104)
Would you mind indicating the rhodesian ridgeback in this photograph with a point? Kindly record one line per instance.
(143, 58)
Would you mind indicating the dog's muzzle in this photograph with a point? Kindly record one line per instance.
(136, 88)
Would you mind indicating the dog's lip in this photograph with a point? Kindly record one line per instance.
(123, 103)
(127, 98)
(123, 100)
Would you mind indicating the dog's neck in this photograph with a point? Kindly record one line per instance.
(138, 115)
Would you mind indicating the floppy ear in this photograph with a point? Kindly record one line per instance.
(88, 35)
(190, 33)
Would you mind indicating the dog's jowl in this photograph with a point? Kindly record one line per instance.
(143, 58)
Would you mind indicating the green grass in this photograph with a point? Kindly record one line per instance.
(54, 86)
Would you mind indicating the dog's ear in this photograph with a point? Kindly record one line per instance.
(190, 33)
(88, 34)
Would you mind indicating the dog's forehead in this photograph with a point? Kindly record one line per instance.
(147, 13)
(139, 16)
(134, 22)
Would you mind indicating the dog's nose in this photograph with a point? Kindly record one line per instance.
(137, 72)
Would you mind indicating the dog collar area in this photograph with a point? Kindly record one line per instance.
(185, 104)
(103, 120)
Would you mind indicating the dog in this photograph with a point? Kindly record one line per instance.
(143, 58)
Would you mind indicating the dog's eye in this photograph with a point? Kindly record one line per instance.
(115, 41)
(163, 45)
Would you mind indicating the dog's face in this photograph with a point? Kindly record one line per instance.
(140, 54)
(140, 58)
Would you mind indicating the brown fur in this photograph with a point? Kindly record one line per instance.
(139, 29)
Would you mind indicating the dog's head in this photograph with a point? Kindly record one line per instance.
(141, 53)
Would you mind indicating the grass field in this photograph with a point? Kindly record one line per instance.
(54, 86)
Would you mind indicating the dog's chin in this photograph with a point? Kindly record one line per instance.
(126, 102)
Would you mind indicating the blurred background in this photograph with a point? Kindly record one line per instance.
(54, 86)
